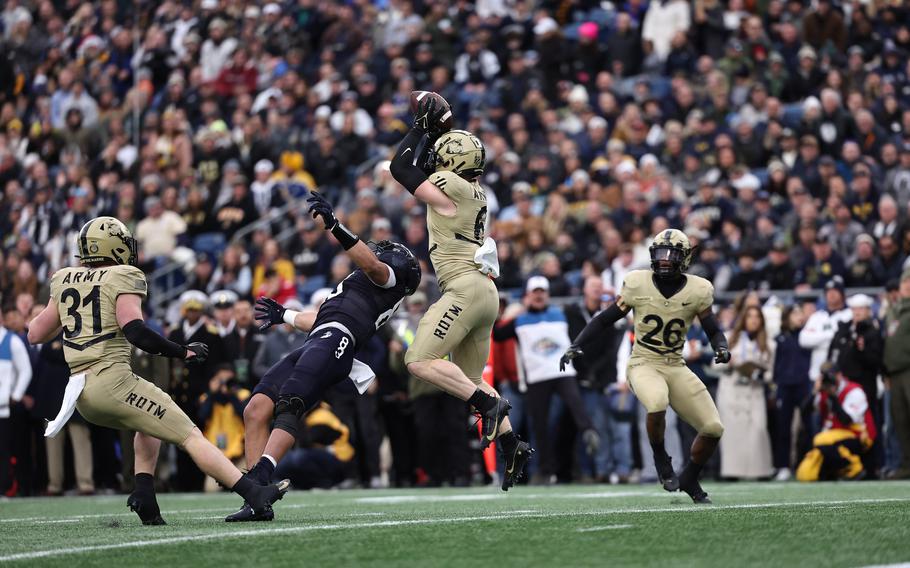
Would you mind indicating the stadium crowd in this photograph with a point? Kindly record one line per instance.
(775, 133)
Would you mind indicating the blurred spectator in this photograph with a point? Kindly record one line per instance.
(540, 324)
(190, 382)
(53, 374)
(741, 400)
(322, 458)
(157, 234)
(848, 430)
(15, 376)
(599, 387)
(823, 324)
(792, 386)
(897, 368)
(278, 342)
(221, 413)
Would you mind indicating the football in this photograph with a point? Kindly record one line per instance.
(417, 96)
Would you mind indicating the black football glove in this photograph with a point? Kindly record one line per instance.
(571, 353)
(722, 356)
(320, 207)
(270, 312)
(429, 117)
(201, 351)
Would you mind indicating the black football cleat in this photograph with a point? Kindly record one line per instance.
(665, 473)
(146, 506)
(247, 515)
(515, 464)
(265, 496)
(692, 488)
(491, 420)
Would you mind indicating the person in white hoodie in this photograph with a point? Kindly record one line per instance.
(822, 325)
(15, 376)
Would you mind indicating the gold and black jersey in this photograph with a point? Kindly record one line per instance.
(87, 301)
(662, 324)
(454, 240)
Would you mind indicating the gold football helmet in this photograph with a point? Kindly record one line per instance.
(670, 253)
(460, 152)
(106, 239)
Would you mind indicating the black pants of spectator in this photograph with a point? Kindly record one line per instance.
(398, 418)
(27, 446)
(538, 402)
(442, 442)
(789, 399)
(360, 415)
(188, 476)
(309, 468)
(5, 454)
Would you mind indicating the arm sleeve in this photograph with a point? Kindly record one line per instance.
(505, 331)
(854, 407)
(403, 166)
(816, 332)
(143, 337)
(715, 334)
(390, 283)
(23, 366)
(599, 324)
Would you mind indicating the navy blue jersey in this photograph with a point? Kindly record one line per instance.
(361, 306)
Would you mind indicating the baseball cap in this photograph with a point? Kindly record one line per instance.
(537, 283)
(264, 166)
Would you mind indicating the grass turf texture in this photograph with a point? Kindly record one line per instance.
(825, 524)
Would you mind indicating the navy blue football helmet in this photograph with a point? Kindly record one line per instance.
(402, 261)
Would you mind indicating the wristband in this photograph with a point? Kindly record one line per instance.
(289, 317)
(344, 236)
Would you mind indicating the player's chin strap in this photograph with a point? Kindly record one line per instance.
(404, 167)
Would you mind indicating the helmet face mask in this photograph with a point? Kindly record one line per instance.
(106, 240)
(460, 152)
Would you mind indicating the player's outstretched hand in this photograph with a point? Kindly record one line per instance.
(722, 356)
(200, 352)
(571, 353)
(269, 312)
(320, 207)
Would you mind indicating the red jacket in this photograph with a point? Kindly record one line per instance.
(831, 420)
(231, 77)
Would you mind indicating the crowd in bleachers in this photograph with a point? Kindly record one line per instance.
(775, 133)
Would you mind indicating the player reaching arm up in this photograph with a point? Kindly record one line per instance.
(665, 301)
(98, 307)
(442, 170)
(350, 315)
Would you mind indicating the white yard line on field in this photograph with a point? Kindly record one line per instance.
(411, 522)
(603, 528)
(76, 518)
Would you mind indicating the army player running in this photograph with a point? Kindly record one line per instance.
(98, 305)
(460, 323)
(665, 301)
(361, 304)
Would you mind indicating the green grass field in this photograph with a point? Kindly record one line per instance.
(779, 525)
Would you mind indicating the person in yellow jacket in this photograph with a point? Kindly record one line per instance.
(221, 410)
(291, 179)
(324, 452)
